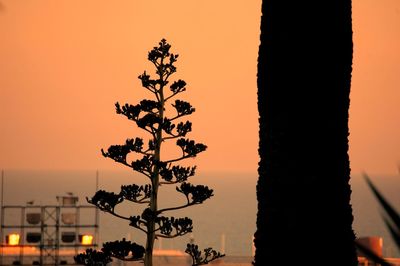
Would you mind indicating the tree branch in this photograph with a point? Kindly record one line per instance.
(116, 215)
(168, 182)
(140, 228)
(143, 173)
(172, 95)
(172, 236)
(177, 207)
(178, 159)
(172, 137)
(141, 201)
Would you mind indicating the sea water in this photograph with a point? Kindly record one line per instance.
(225, 222)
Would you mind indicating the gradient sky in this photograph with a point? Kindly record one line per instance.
(64, 63)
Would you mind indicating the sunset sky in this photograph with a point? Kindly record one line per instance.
(64, 63)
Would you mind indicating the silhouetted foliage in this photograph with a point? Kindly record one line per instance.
(198, 258)
(391, 219)
(93, 258)
(149, 115)
(123, 250)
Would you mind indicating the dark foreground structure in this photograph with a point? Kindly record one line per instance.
(304, 76)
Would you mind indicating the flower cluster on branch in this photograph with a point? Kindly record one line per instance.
(135, 193)
(119, 152)
(93, 258)
(167, 227)
(144, 165)
(190, 148)
(170, 227)
(195, 194)
(183, 108)
(176, 174)
(178, 86)
(198, 258)
(105, 201)
(122, 250)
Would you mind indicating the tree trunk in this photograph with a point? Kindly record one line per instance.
(151, 234)
(304, 75)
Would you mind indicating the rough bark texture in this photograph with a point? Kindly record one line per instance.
(303, 192)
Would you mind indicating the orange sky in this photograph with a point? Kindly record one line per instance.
(64, 63)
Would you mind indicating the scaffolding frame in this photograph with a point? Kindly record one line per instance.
(51, 228)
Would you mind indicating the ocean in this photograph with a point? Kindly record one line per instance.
(225, 222)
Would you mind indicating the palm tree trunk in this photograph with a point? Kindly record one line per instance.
(303, 191)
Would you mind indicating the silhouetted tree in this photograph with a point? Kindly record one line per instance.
(150, 116)
(303, 191)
